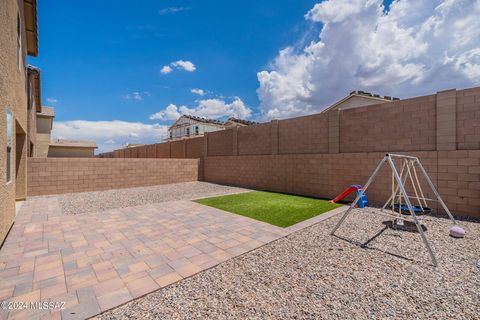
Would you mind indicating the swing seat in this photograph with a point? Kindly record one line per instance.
(404, 209)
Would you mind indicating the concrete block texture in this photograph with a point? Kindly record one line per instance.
(66, 175)
(456, 175)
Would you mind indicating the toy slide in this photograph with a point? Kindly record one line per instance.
(362, 202)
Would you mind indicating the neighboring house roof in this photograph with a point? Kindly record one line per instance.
(133, 145)
(46, 112)
(73, 143)
(31, 27)
(197, 119)
(241, 121)
(34, 72)
(362, 94)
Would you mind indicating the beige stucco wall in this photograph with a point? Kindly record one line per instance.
(44, 124)
(14, 97)
(41, 145)
(70, 152)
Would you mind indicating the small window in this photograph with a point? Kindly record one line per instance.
(188, 131)
(197, 130)
(9, 145)
(171, 134)
(19, 43)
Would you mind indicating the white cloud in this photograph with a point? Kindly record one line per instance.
(208, 108)
(109, 135)
(136, 95)
(166, 69)
(200, 92)
(185, 65)
(52, 100)
(417, 47)
(170, 113)
(172, 10)
(179, 64)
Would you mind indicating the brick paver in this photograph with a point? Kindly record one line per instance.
(97, 261)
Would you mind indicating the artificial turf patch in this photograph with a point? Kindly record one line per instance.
(282, 210)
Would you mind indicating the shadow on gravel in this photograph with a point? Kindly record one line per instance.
(365, 245)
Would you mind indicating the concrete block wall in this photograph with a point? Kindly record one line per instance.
(455, 173)
(194, 148)
(254, 140)
(468, 119)
(66, 175)
(220, 143)
(320, 155)
(162, 150)
(303, 135)
(404, 125)
(177, 149)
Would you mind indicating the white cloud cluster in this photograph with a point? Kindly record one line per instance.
(172, 10)
(109, 135)
(166, 70)
(200, 92)
(179, 64)
(208, 108)
(136, 95)
(52, 100)
(417, 47)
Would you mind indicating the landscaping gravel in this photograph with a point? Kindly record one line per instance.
(74, 203)
(311, 274)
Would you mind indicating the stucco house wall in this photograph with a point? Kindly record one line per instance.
(13, 97)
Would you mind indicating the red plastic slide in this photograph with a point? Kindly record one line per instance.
(345, 193)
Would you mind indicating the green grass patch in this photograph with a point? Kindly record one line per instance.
(282, 210)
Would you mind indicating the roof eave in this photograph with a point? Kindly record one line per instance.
(31, 26)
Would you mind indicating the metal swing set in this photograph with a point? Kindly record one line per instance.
(399, 205)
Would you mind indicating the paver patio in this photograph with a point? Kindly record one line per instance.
(96, 261)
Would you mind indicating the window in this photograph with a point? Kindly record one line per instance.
(19, 43)
(188, 131)
(196, 130)
(171, 134)
(9, 145)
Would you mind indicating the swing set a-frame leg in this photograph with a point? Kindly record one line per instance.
(402, 190)
(432, 186)
(412, 212)
(360, 194)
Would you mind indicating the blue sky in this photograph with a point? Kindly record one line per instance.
(101, 61)
(92, 56)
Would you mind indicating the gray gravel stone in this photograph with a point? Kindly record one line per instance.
(74, 203)
(313, 275)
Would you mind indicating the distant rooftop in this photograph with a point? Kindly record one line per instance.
(133, 145)
(204, 120)
(368, 94)
(242, 121)
(73, 143)
(375, 98)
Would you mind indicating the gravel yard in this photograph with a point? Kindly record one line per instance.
(311, 275)
(74, 203)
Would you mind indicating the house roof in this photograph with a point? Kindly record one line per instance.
(34, 72)
(198, 119)
(241, 121)
(204, 120)
(363, 94)
(373, 95)
(133, 145)
(46, 112)
(31, 26)
(73, 143)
